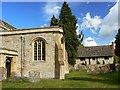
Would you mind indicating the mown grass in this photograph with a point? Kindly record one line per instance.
(76, 79)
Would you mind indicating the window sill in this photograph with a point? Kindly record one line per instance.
(41, 61)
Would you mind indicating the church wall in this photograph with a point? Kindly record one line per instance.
(13, 43)
(46, 68)
(20, 44)
(62, 65)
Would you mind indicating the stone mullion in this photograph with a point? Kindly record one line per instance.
(41, 50)
(37, 50)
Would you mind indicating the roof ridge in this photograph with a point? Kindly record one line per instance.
(94, 46)
(9, 25)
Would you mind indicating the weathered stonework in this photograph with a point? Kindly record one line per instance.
(18, 45)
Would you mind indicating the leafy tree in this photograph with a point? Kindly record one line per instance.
(54, 21)
(117, 42)
(68, 23)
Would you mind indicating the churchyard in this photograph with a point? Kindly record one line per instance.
(75, 79)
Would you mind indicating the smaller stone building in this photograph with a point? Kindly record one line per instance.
(95, 55)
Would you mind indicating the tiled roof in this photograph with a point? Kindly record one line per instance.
(5, 25)
(95, 51)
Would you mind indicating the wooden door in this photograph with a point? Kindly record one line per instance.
(8, 67)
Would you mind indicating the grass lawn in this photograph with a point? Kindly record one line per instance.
(76, 79)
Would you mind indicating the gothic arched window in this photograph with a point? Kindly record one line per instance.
(39, 50)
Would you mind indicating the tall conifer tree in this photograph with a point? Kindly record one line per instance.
(68, 23)
(54, 21)
(117, 42)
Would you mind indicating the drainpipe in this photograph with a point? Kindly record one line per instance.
(21, 52)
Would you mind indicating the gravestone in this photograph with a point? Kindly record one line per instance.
(106, 68)
(91, 69)
(112, 67)
(117, 67)
(34, 76)
(101, 70)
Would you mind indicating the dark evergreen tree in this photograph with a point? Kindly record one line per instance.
(54, 21)
(68, 23)
(117, 42)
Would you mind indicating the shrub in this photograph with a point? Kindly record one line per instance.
(116, 59)
(98, 62)
(83, 63)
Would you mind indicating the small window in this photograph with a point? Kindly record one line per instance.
(82, 59)
(35, 50)
(39, 50)
(103, 62)
(106, 58)
(93, 58)
(62, 40)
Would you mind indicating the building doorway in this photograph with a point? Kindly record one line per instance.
(8, 65)
(89, 61)
(103, 62)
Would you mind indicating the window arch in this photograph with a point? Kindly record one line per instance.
(39, 50)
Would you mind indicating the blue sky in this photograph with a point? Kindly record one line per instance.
(94, 18)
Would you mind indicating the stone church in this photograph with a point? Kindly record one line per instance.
(40, 50)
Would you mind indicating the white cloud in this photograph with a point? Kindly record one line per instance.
(78, 28)
(41, 26)
(93, 31)
(91, 23)
(108, 5)
(110, 22)
(90, 42)
(51, 9)
(45, 25)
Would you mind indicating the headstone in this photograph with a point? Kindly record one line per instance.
(112, 67)
(91, 69)
(117, 67)
(101, 70)
(34, 76)
(106, 68)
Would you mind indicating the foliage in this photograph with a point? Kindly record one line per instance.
(68, 23)
(54, 21)
(98, 62)
(117, 42)
(116, 59)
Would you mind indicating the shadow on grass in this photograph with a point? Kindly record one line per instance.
(107, 78)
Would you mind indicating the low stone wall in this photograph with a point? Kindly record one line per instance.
(96, 68)
(101, 68)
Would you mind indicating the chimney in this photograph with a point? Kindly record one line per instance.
(113, 48)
